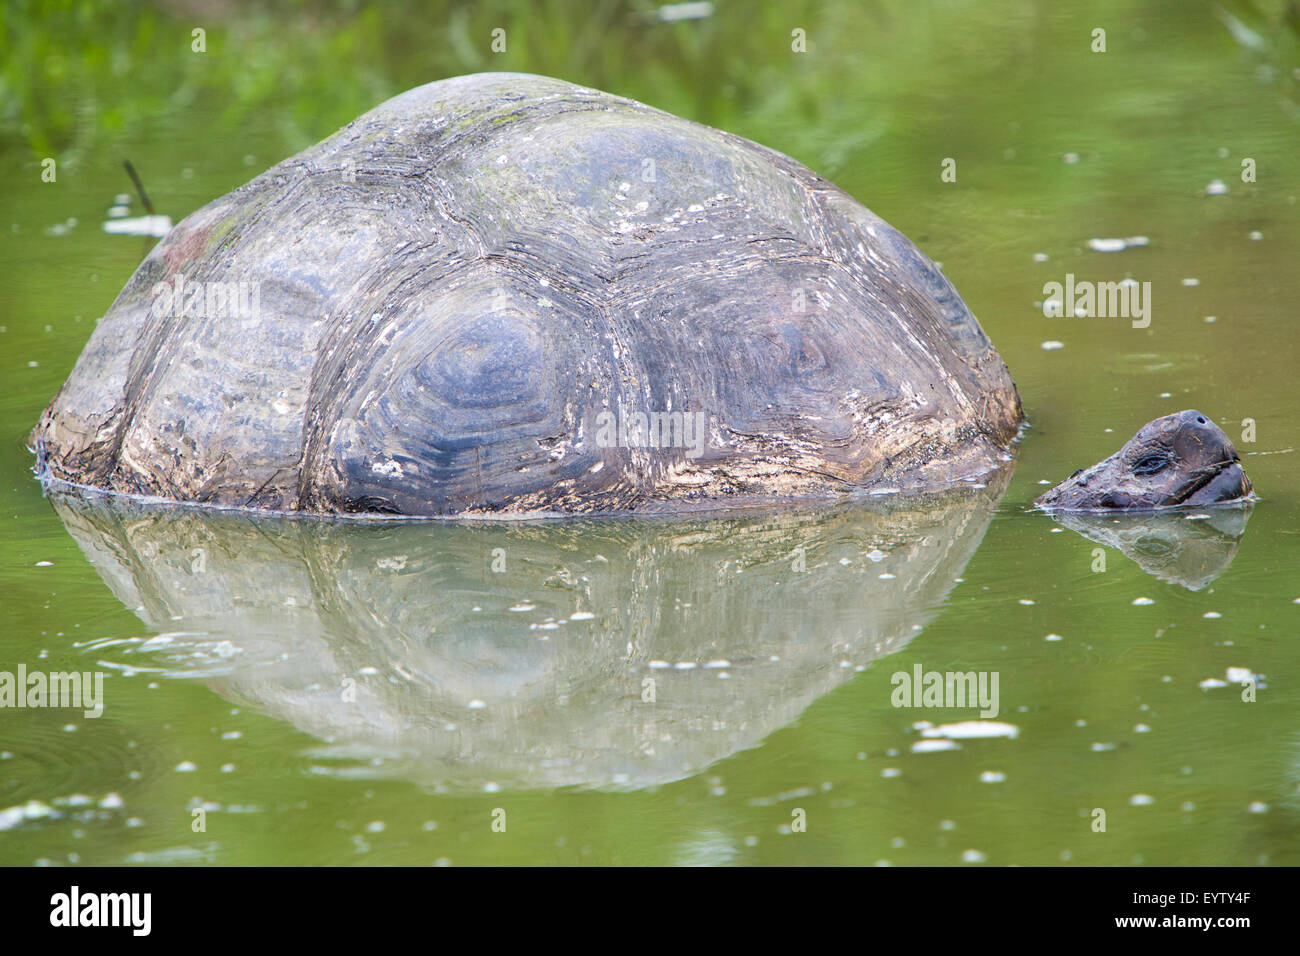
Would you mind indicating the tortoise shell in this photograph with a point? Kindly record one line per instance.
(504, 293)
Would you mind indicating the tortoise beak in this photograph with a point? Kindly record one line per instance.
(1219, 481)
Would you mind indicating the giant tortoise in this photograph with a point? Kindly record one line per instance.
(504, 294)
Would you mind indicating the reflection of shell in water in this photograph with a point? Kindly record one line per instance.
(535, 675)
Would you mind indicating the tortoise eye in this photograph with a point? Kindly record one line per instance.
(1152, 464)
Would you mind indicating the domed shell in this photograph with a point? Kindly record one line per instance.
(504, 293)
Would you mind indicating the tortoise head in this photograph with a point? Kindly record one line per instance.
(1182, 459)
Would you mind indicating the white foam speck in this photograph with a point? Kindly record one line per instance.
(933, 746)
(972, 729)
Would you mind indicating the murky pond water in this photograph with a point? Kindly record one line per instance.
(718, 688)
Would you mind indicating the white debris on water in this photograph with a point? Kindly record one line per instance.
(676, 12)
(1216, 187)
(1052, 345)
(972, 729)
(993, 776)
(1233, 675)
(934, 746)
(31, 810)
(1117, 245)
(155, 226)
(1141, 800)
(1141, 601)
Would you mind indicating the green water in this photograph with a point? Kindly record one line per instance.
(374, 695)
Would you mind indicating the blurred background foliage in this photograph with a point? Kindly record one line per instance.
(78, 73)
